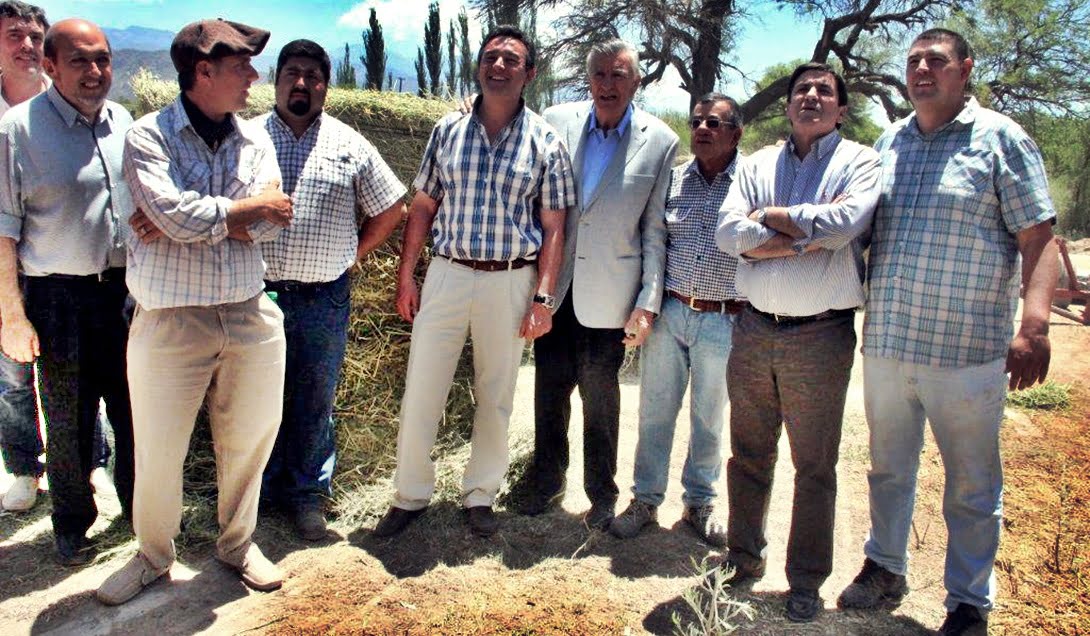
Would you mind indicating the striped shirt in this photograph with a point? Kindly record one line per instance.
(186, 190)
(490, 194)
(944, 266)
(62, 197)
(695, 267)
(330, 173)
(813, 282)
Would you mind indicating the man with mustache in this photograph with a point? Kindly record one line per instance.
(796, 216)
(207, 187)
(62, 209)
(330, 171)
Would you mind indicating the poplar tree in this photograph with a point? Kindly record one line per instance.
(374, 53)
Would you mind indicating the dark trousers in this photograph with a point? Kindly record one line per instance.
(796, 376)
(300, 469)
(82, 329)
(572, 355)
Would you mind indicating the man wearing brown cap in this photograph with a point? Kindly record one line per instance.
(206, 185)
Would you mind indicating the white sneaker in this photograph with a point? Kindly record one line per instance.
(100, 482)
(22, 494)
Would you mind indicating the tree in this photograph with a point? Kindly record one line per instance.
(433, 46)
(465, 68)
(389, 81)
(374, 53)
(452, 61)
(501, 11)
(421, 75)
(346, 73)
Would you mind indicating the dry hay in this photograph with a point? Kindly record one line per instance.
(372, 381)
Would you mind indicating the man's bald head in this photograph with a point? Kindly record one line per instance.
(78, 59)
(66, 29)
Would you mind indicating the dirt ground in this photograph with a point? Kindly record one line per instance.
(550, 575)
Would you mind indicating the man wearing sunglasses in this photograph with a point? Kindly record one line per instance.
(796, 216)
(692, 336)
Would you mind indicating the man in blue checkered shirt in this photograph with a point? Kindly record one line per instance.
(692, 336)
(964, 195)
(330, 171)
(492, 189)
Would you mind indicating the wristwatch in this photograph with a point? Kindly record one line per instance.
(761, 215)
(547, 301)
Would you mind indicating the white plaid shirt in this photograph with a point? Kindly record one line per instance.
(490, 195)
(813, 282)
(944, 267)
(329, 172)
(185, 189)
(695, 267)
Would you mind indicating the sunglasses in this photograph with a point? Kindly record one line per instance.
(712, 124)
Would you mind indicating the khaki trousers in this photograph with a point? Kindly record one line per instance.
(454, 301)
(234, 355)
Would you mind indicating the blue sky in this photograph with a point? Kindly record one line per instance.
(774, 37)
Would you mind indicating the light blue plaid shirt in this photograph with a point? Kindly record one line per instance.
(944, 268)
(490, 195)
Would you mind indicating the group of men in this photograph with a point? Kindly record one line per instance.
(739, 276)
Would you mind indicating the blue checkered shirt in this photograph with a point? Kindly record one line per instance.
(817, 281)
(944, 267)
(329, 172)
(490, 194)
(186, 190)
(695, 267)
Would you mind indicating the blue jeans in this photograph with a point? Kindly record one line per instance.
(20, 440)
(684, 343)
(965, 407)
(300, 470)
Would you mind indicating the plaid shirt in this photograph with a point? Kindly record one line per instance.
(185, 189)
(813, 282)
(329, 172)
(944, 266)
(695, 267)
(490, 194)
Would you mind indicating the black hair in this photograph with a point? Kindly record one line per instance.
(514, 33)
(304, 48)
(841, 87)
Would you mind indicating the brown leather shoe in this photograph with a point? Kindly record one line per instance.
(482, 521)
(257, 571)
(394, 521)
(129, 581)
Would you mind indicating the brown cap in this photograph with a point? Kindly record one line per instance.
(211, 39)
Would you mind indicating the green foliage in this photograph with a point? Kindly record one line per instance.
(421, 75)
(465, 64)
(713, 608)
(374, 53)
(679, 123)
(433, 47)
(1048, 396)
(452, 61)
(346, 73)
(1065, 144)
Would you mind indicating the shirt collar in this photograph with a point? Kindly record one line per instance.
(515, 121)
(213, 133)
(622, 126)
(70, 115)
(285, 128)
(694, 168)
(823, 146)
(965, 117)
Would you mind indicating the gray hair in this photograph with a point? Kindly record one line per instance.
(612, 48)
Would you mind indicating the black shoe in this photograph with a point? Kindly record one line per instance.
(74, 550)
(803, 605)
(965, 620)
(599, 515)
(874, 586)
(310, 524)
(395, 520)
(736, 575)
(482, 521)
(534, 502)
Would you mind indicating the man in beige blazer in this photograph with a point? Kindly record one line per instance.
(610, 283)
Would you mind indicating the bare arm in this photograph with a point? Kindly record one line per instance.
(421, 215)
(17, 335)
(378, 228)
(1030, 352)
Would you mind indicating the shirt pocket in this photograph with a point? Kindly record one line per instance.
(197, 177)
(678, 214)
(968, 171)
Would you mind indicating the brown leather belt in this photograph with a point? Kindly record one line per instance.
(492, 266)
(788, 321)
(716, 306)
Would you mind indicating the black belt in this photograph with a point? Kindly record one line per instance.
(105, 276)
(293, 285)
(492, 266)
(715, 306)
(787, 321)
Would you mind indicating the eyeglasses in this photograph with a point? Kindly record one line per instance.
(712, 124)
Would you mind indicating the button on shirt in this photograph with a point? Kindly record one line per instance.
(185, 189)
(62, 196)
(695, 267)
(944, 265)
(329, 172)
(598, 150)
(813, 282)
(490, 194)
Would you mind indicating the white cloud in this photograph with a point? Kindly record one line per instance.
(403, 20)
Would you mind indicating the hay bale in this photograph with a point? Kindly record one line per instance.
(372, 382)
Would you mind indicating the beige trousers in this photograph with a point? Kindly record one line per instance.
(457, 300)
(234, 354)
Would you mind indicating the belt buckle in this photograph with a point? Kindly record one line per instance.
(692, 303)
